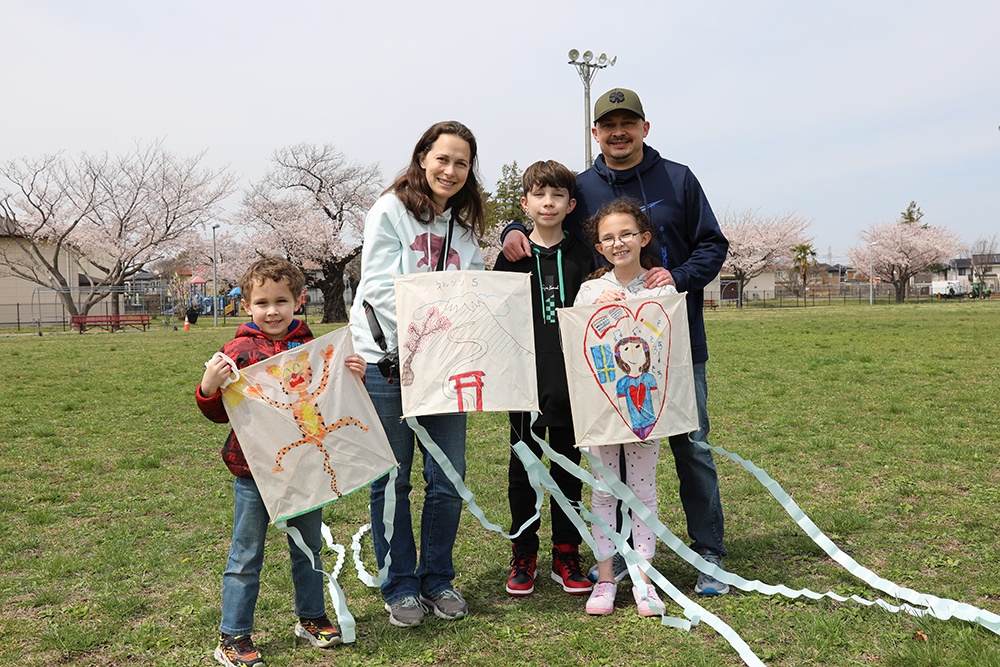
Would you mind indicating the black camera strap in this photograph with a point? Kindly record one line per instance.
(443, 257)
(375, 327)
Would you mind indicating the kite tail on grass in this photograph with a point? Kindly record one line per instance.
(695, 613)
(941, 609)
(540, 478)
(460, 487)
(345, 620)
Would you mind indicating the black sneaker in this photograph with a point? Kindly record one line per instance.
(238, 651)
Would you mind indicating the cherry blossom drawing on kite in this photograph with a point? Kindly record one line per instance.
(466, 342)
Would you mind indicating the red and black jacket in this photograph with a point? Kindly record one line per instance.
(249, 346)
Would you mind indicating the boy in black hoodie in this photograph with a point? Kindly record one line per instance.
(692, 249)
(558, 265)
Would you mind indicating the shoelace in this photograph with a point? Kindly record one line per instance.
(412, 602)
(572, 562)
(243, 644)
(521, 561)
(453, 594)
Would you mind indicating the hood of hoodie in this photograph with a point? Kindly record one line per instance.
(650, 156)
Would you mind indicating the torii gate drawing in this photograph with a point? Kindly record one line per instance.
(470, 380)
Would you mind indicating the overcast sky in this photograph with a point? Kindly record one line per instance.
(840, 111)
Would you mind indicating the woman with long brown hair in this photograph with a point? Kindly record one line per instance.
(430, 219)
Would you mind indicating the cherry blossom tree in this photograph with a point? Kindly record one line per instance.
(46, 201)
(310, 208)
(490, 245)
(114, 215)
(150, 203)
(759, 243)
(231, 255)
(900, 250)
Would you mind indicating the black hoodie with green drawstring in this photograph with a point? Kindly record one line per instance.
(556, 276)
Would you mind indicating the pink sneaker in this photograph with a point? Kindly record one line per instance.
(652, 600)
(602, 600)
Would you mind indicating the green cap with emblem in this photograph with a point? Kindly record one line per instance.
(618, 98)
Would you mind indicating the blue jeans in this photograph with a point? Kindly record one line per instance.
(699, 480)
(241, 580)
(442, 505)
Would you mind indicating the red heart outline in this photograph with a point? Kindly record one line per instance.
(633, 324)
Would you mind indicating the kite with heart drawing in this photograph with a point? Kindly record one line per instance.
(630, 371)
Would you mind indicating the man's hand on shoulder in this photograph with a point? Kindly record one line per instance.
(516, 246)
(657, 277)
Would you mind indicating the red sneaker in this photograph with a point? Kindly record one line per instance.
(522, 573)
(567, 571)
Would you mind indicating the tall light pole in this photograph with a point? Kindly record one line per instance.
(587, 71)
(215, 279)
(871, 275)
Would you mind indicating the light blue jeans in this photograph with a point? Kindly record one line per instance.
(442, 505)
(699, 480)
(241, 580)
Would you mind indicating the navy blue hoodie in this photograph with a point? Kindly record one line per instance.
(686, 234)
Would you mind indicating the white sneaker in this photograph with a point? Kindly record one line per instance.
(646, 606)
(602, 599)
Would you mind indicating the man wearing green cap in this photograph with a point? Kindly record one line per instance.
(692, 249)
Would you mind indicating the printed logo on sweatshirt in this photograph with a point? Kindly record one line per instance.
(550, 300)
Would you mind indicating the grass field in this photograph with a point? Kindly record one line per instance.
(881, 422)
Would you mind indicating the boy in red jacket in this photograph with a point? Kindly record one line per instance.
(272, 292)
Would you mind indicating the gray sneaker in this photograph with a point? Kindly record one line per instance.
(707, 584)
(448, 604)
(618, 567)
(406, 612)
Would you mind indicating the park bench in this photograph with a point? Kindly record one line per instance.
(711, 303)
(110, 322)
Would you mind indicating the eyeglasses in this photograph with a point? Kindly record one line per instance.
(624, 238)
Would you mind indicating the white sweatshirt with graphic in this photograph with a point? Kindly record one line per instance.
(397, 243)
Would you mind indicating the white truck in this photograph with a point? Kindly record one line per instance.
(947, 289)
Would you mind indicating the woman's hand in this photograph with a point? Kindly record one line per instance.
(356, 364)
